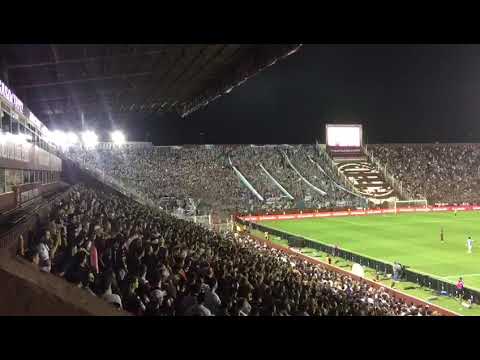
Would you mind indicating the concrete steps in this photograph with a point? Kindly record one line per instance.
(366, 179)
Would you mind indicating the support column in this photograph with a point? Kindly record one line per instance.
(82, 118)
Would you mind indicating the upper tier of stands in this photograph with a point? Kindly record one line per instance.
(200, 178)
(441, 173)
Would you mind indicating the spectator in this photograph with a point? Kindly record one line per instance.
(44, 253)
(199, 309)
(106, 290)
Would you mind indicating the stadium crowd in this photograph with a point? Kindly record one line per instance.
(174, 173)
(300, 156)
(177, 177)
(151, 263)
(257, 177)
(441, 173)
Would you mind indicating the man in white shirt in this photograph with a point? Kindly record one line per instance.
(44, 253)
(108, 295)
(469, 244)
(245, 308)
(156, 287)
(212, 300)
(199, 309)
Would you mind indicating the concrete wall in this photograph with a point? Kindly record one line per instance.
(27, 291)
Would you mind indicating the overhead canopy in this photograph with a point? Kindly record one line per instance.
(59, 82)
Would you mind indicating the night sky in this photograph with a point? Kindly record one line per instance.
(399, 93)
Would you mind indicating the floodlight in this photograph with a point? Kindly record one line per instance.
(72, 138)
(118, 137)
(89, 139)
(59, 138)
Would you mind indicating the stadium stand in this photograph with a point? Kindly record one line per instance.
(441, 173)
(203, 175)
(300, 156)
(249, 159)
(151, 263)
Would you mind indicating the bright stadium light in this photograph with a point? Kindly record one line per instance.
(118, 137)
(72, 138)
(89, 139)
(13, 138)
(21, 139)
(17, 139)
(59, 138)
(63, 139)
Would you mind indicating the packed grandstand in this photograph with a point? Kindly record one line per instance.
(147, 261)
(204, 174)
(441, 173)
(151, 263)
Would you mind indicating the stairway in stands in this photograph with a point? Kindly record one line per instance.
(365, 177)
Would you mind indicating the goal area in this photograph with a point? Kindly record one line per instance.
(409, 204)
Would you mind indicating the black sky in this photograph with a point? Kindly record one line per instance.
(400, 93)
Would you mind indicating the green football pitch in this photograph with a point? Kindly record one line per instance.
(411, 239)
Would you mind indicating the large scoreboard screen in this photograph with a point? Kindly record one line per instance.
(344, 138)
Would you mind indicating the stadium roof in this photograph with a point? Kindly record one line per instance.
(59, 82)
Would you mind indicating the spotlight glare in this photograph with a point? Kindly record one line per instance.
(21, 139)
(59, 138)
(72, 138)
(9, 138)
(118, 137)
(89, 139)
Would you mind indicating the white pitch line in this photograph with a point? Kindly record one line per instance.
(460, 275)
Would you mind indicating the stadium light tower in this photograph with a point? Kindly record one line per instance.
(89, 139)
(118, 137)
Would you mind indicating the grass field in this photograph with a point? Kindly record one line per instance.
(411, 239)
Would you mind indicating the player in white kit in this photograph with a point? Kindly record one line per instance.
(469, 244)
